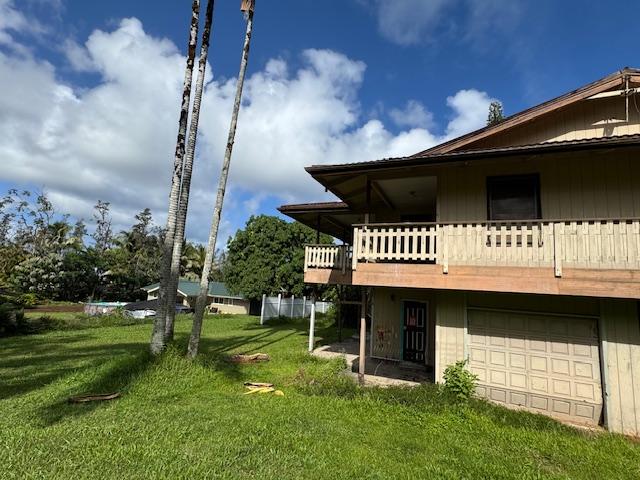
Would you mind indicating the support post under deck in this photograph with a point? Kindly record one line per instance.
(363, 337)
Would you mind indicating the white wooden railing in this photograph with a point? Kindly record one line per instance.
(593, 244)
(336, 257)
(398, 242)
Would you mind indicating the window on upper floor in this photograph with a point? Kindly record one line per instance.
(514, 197)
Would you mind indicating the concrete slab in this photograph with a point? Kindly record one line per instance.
(378, 372)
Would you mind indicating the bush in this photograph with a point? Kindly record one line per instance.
(320, 377)
(11, 319)
(459, 382)
(26, 300)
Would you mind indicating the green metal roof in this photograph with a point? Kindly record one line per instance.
(191, 289)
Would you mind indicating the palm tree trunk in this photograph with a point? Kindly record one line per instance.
(186, 174)
(158, 334)
(194, 340)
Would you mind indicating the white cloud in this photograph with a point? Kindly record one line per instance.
(78, 56)
(413, 115)
(408, 22)
(114, 141)
(11, 20)
(412, 22)
(470, 108)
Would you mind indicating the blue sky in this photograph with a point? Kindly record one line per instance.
(89, 91)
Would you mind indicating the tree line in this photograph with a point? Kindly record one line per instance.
(46, 256)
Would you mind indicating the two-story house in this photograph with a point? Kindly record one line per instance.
(516, 246)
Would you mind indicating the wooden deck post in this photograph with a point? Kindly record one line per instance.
(558, 239)
(312, 324)
(363, 337)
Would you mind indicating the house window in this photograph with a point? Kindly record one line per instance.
(218, 300)
(514, 197)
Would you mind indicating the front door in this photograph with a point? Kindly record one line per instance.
(415, 332)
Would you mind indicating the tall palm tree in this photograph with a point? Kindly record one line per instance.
(248, 7)
(158, 334)
(186, 175)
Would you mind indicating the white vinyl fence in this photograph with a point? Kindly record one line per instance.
(292, 307)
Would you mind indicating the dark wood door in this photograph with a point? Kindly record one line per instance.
(415, 332)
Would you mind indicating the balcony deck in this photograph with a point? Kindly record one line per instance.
(595, 257)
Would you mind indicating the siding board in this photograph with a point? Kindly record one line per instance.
(591, 186)
(450, 315)
(621, 334)
(584, 120)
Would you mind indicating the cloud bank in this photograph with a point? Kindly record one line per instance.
(114, 140)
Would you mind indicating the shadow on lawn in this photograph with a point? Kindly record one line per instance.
(36, 361)
(118, 378)
(33, 362)
(135, 361)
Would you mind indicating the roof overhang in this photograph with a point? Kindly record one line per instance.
(332, 218)
(355, 183)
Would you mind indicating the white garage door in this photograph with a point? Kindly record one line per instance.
(545, 363)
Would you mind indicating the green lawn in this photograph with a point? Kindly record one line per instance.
(178, 419)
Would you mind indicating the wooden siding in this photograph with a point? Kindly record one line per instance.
(600, 185)
(586, 119)
(450, 330)
(620, 337)
(387, 321)
(386, 329)
(574, 281)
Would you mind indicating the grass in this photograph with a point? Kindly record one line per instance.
(39, 322)
(178, 419)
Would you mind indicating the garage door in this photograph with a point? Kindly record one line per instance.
(545, 363)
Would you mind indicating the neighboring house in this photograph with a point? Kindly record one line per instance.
(516, 247)
(219, 298)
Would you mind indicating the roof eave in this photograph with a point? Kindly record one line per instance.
(451, 157)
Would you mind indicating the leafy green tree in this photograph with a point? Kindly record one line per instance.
(42, 254)
(496, 115)
(40, 274)
(103, 235)
(133, 261)
(79, 278)
(267, 256)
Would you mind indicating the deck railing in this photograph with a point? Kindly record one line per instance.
(594, 244)
(337, 257)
